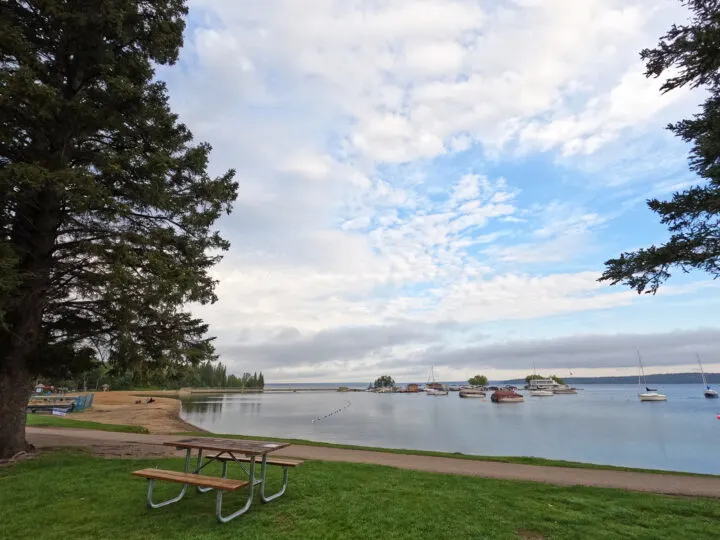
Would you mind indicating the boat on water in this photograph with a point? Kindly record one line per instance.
(650, 394)
(564, 389)
(709, 393)
(540, 387)
(434, 388)
(506, 395)
(471, 393)
(455, 388)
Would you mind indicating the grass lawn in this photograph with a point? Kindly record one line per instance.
(76, 495)
(46, 420)
(523, 460)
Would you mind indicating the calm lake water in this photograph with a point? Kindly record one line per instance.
(601, 424)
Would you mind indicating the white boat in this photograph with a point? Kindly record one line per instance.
(709, 392)
(564, 389)
(650, 394)
(540, 387)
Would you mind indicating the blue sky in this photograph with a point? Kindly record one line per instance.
(439, 182)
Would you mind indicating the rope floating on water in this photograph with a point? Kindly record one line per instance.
(337, 411)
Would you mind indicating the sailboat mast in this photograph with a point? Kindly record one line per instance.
(701, 370)
(642, 369)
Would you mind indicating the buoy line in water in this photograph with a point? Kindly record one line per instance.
(341, 409)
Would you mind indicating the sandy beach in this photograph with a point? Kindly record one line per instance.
(120, 407)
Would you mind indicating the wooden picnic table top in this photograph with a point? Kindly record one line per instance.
(240, 446)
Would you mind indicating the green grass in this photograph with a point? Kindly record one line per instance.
(38, 420)
(522, 460)
(79, 496)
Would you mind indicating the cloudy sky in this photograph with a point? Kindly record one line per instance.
(439, 182)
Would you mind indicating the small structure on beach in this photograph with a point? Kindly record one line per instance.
(44, 389)
(105, 387)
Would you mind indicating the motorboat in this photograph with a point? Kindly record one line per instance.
(471, 393)
(506, 396)
(542, 393)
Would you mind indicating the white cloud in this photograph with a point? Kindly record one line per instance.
(333, 112)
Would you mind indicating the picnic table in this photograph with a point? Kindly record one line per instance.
(242, 453)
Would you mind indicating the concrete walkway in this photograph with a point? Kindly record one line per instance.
(138, 445)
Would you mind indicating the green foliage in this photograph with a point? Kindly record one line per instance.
(478, 380)
(205, 375)
(386, 381)
(690, 55)
(316, 505)
(108, 212)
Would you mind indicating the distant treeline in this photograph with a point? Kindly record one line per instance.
(658, 378)
(204, 375)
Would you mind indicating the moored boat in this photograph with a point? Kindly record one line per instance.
(708, 392)
(506, 396)
(542, 393)
(564, 389)
(471, 393)
(434, 388)
(650, 394)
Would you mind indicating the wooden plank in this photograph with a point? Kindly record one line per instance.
(239, 446)
(276, 461)
(225, 484)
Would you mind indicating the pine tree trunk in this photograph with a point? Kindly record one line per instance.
(15, 388)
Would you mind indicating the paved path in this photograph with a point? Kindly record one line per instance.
(133, 444)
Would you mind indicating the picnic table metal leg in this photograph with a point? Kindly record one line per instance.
(198, 466)
(151, 484)
(280, 493)
(248, 503)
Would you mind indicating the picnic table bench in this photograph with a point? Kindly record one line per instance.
(227, 451)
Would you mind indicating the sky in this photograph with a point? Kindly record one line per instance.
(438, 182)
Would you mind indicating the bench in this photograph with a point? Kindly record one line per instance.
(224, 484)
(276, 461)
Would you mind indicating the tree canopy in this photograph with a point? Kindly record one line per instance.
(478, 380)
(107, 215)
(385, 381)
(690, 56)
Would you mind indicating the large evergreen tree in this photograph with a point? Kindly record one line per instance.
(107, 210)
(691, 54)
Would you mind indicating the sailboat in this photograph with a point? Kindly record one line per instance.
(434, 388)
(650, 394)
(709, 392)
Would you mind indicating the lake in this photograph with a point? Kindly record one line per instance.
(604, 424)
